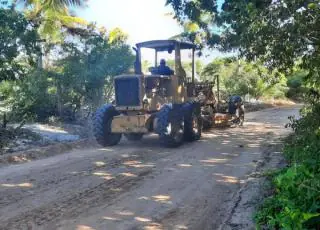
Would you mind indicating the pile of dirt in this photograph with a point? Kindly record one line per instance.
(34, 151)
(16, 139)
(34, 141)
(83, 129)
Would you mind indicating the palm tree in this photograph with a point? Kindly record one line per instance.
(54, 3)
(53, 19)
(52, 16)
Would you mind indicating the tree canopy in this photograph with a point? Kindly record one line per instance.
(91, 62)
(277, 32)
(77, 72)
(53, 17)
(244, 78)
(18, 44)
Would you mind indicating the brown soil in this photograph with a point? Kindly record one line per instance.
(143, 185)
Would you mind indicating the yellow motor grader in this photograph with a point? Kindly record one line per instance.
(163, 102)
(158, 102)
(216, 112)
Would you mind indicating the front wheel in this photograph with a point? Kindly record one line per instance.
(102, 126)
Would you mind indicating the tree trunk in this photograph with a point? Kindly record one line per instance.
(59, 99)
(5, 121)
(99, 97)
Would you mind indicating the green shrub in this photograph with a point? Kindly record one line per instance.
(295, 203)
(29, 98)
(296, 86)
(296, 200)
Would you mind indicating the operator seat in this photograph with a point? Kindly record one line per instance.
(165, 70)
(162, 69)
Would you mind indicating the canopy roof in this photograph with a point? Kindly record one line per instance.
(165, 45)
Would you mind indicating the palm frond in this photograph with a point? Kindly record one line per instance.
(70, 2)
(55, 3)
(70, 21)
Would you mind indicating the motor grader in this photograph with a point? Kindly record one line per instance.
(152, 103)
(216, 112)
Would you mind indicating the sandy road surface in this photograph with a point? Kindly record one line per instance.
(138, 185)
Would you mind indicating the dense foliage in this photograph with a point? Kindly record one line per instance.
(283, 35)
(88, 68)
(18, 44)
(296, 202)
(297, 85)
(244, 78)
(53, 18)
(199, 18)
(59, 79)
(277, 32)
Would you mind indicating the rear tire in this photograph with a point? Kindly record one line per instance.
(102, 126)
(192, 123)
(170, 126)
(207, 122)
(134, 136)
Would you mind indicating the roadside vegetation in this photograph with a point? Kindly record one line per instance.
(284, 37)
(55, 66)
(294, 202)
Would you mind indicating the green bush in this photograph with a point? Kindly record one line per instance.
(296, 86)
(295, 203)
(29, 98)
(242, 77)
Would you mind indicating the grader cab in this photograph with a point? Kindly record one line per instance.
(159, 103)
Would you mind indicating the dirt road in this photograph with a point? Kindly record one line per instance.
(138, 185)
